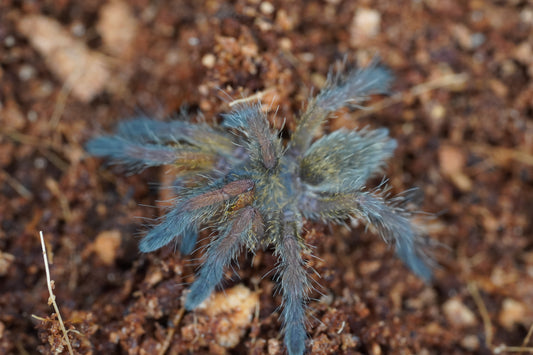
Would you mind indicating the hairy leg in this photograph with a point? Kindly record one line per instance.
(145, 130)
(191, 212)
(142, 143)
(342, 89)
(264, 145)
(388, 217)
(188, 240)
(294, 285)
(219, 255)
(344, 160)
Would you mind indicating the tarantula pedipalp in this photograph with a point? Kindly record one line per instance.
(241, 180)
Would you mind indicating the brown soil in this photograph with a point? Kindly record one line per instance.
(462, 112)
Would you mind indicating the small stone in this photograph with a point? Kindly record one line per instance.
(465, 38)
(284, 21)
(499, 88)
(274, 347)
(512, 312)
(285, 44)
(78, 29)
(263, 25)
(365, 25)
(524, 53)
(83, 70)
(26, 72)
(452, 161)
(209, 60)
(13, 118)
(458, 314)
(349, 341)
(526, 16)
(9, 41)
(470, 342)
(375, 349)
(266, 8)
(106, 246)
(5, 262)
(118, 27)
(231, 312)
(437, 112)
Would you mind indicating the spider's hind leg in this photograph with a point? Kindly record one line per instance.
(294, 285)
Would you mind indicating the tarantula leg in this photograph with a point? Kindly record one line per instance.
(294, 286)
(219, 254)
(190, 160)
(142, 142)
(177, 225)
(145, 130)
(260, 130)
(188, 239)
(344, 160)
(230, 190)
(135, 155)
(388, 217)
(393, 222)
(189, 214)
(141, 155)
(342, 89)
(255, 124)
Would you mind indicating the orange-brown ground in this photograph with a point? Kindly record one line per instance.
(462, 112)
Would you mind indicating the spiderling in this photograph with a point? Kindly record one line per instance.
(242, 181)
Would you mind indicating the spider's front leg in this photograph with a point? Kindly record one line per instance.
(294, 284)
(348, 88)
(142, 143)
(182, 221)
(145, 130)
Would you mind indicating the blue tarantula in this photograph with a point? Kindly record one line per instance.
(242, 181)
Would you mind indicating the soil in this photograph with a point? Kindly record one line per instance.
(461, 110)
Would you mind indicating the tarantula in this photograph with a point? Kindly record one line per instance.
(242, 181)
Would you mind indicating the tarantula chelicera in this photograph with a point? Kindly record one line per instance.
(255, 191)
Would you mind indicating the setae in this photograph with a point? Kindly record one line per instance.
(242, 181)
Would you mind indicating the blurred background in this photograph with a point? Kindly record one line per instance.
(461, 109)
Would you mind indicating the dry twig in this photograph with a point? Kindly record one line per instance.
(253, 98)
(474, 292)
(487, 324)
(16, 185)
(175, 322)
(444, 81)
(52, 298)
